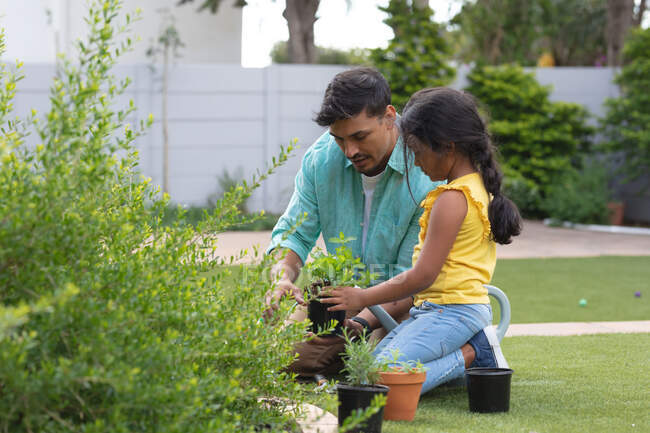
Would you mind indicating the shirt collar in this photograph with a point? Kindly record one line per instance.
(396, 161)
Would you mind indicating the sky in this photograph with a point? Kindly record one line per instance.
(341, 24)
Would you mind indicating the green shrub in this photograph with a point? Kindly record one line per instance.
(537, 138)
(627, 123)
(417, 56)
(193, 215)
(523, 192)
(580, 196)
(107, 323)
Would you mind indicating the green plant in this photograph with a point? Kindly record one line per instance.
(194, 214)
(537, 138)
(340, 269)
(108, 318)
(524, 192)
(395, 364)
(579, 196)
(626, 124)
(417, 56)
(360, 365)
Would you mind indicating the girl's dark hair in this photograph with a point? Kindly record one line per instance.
(352, 91)
(441, 116)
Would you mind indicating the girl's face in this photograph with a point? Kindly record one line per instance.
(435, 165)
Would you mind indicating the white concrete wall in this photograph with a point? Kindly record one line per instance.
(35, 37)
(228, 117)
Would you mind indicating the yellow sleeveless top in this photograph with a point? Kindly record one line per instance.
(472, 258)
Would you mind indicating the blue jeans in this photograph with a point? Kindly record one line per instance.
(434, 335)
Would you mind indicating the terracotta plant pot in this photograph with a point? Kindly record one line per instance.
(616, 212)
(404, 395)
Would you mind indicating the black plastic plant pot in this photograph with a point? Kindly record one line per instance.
(488, 389)
(320, 317)
(360, 397)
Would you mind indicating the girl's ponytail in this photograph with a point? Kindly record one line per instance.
(503, 214)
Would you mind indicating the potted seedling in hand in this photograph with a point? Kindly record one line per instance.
(360, 398)
(405, 379)
(340, 269)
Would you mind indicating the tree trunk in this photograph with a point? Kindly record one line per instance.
(620, 15)
(420, 4)
(638, 18)
(301, 16)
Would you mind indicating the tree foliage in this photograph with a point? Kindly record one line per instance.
(536, 138)
(418, 54)
(627, 122)
(511, 31)
(111, 321)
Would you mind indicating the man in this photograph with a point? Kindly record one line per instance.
(352, 180)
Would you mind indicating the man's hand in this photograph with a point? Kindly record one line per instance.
(344, 298)
(282, 288)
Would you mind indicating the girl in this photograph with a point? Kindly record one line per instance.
(456, 253)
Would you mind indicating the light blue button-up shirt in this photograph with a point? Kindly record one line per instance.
(328, 189)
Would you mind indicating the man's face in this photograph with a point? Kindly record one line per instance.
(367, 141)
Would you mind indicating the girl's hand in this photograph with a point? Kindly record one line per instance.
(344, 298)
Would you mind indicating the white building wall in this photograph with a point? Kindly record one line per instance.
(37, 29)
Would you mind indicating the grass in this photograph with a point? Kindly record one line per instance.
(549, 290)
(595, 383)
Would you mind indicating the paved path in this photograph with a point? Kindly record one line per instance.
(536, 240)
(578, 328)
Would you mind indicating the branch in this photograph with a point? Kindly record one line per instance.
(638, 18)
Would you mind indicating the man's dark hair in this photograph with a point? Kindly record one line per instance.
(350, 92)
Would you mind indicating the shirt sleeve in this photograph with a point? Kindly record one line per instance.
(405, 253)
(303, 203)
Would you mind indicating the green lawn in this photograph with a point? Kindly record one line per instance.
(595, 383)
(548, 290)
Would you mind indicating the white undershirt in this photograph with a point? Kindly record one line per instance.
(369, 183)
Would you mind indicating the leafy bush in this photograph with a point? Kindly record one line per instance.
(108, 322)
(580, 196)
(194, 214)
(524, 192)
(537, 138)
(627, 123)
(418, 54)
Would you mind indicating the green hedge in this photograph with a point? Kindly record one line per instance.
(627, 123)
(536, 138)
(106, 321)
